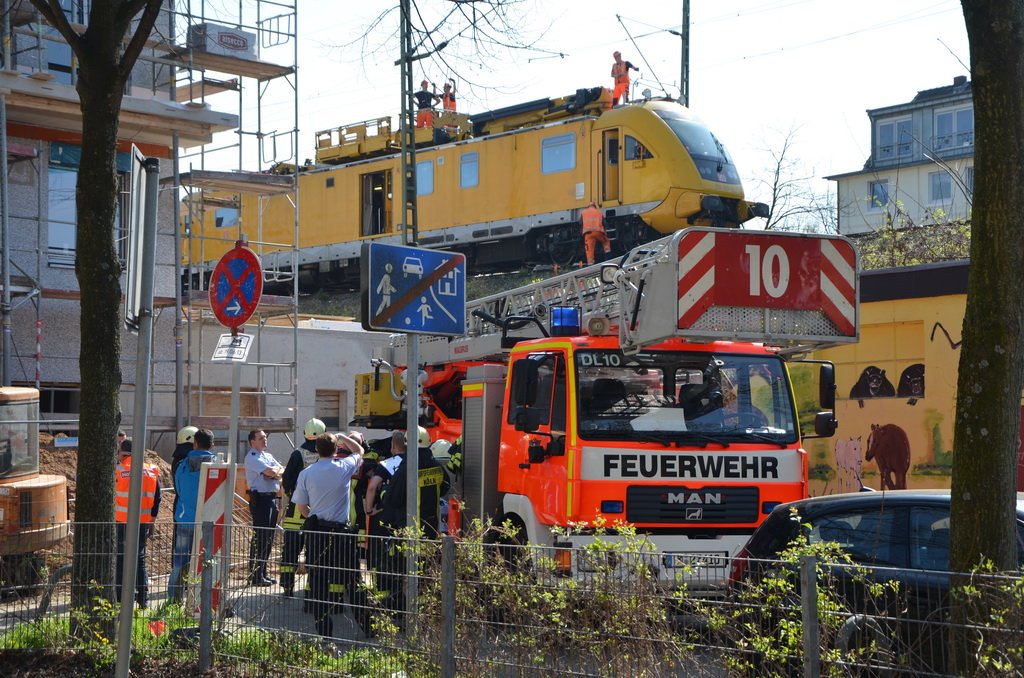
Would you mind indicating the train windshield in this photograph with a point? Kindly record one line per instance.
(708, 153)
(676, 397)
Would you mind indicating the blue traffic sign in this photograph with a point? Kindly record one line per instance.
(236, 286)
(413, 290)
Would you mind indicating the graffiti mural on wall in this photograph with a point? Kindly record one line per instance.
(901, 418)
(848, 463)
(872, 384)
(911, 383)
(889, 446)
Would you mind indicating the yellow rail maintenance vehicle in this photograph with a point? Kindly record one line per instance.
(505, 187)
(33, 506)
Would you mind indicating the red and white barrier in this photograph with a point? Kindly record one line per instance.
(213, 498)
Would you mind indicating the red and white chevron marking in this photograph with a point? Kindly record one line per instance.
(839, 284)
(213, 497)
(696, 276)
(761, 270)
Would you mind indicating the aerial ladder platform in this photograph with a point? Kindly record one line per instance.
(793, 291)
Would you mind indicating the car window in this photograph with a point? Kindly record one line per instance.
(929, 538)
(869, 537)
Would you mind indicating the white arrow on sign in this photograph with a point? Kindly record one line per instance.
(235, 308)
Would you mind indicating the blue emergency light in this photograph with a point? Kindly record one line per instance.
(566, 321)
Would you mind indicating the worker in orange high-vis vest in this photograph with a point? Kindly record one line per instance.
(150, 506)
(620, 74)
(593, 231)
(448, 96)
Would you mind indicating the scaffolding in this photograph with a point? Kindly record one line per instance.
(247, 53)
(199, 95)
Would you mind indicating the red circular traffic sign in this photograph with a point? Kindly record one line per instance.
(236, 286)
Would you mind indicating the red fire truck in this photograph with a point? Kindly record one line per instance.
(662, 390)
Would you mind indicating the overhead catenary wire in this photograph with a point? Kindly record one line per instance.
(641, 53)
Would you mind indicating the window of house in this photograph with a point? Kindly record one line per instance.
(61, 402)
(425, 177)
(894, 139)
(969, 180)
(469, 170)
(954, 128)
(878, 192)
(940, 187)
(558, 154)
(61, 218)
(635, 150)
(331, 407)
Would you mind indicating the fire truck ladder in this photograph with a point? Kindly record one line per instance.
(492, 321)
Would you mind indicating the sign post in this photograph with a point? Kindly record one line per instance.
(415, 291)
(235, 290)
(143, 257)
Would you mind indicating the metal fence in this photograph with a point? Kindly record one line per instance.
(483, 606)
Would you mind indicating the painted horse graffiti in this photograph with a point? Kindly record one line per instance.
(889, 447)
(848, 465)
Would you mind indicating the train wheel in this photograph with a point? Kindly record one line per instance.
(565, 247)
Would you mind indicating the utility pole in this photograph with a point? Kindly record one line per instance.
(684, 60)
(410, 235)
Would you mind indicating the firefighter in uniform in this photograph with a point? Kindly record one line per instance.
(593, 232)
(150, 506)
(432, 485)
(322, 496)
(377, 542)
(301, 457)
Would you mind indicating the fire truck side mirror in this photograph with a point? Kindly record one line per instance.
(827, 386)
(825, 424)
(524, 382)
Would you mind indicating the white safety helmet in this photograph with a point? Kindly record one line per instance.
(313, 429)
(186, 434)
(423, 438)
(440, 449)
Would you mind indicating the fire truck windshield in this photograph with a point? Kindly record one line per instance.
(680, 396)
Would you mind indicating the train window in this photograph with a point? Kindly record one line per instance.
(425, 177)
(469, 170)
(635, 150)
(558, 154)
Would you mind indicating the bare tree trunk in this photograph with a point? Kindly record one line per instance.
(104, 64)
(991, 375)
(98, 270)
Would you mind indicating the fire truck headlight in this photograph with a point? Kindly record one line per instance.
(613, 506)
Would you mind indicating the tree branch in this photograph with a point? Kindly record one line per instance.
(54, 15)
(142, 31)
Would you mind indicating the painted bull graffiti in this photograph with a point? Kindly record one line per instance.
(889, 447)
